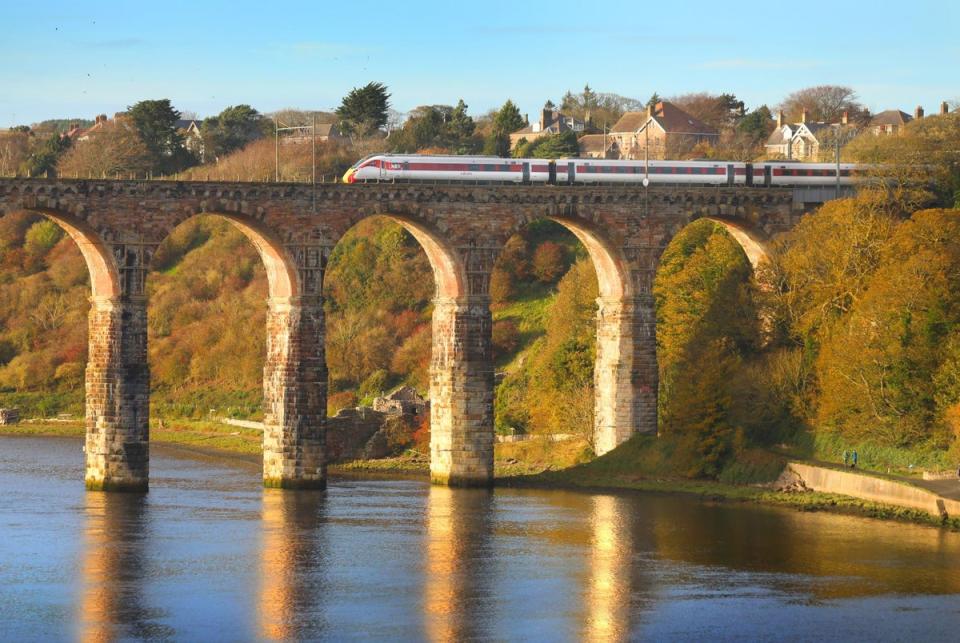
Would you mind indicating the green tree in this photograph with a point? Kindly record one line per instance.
(551, 146)
(363, 110)
(461, 127)
(156, 122)
(506, 120)
(44, 157)
(232, 129)
(653, 100)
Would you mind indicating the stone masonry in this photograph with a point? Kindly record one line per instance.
(463, 229)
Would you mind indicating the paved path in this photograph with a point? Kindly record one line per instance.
(949, 488)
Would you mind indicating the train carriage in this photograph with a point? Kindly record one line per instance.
(575, 171)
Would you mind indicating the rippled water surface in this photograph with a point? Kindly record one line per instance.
(209, 555)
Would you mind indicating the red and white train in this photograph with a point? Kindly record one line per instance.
(481, 169)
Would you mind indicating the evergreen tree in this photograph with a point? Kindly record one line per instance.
(156, 122)
(363, 111)
(589, 97)
(654, 99)
(232, 129)
(461, 125)
(505, 121)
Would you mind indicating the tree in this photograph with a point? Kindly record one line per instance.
(506, 120)
(654, 99)
(756, 125)
(45, 155)
(588, 98)
(721, 111)
(232, 129)
(824, 103)
(115, 148)
(461, 125)
(550, 146)
(14, 149)
(363, 111)
(156, 122)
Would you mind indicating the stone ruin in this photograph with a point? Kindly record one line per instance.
(403, 401)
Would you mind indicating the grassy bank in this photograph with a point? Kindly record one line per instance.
(642, 464)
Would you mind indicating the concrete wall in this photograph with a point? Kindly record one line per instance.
(869, 487)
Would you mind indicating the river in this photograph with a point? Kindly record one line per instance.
(210, 555)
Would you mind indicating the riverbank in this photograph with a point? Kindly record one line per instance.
(635, 467)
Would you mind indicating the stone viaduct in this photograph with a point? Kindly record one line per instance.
(118, 226)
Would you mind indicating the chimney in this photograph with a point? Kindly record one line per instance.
(803, 115)
(526, 118)
(649, 111)
(918, 112)
(845, 119)
(779, 118)
(545, 117)
(944, 108)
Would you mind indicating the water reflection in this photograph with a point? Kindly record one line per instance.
(457, 576)
(608, 589)
(112, 603)
(291, 565)
(853, 556)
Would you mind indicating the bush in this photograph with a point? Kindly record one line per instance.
(506, 337)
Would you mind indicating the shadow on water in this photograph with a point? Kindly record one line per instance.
(292, 563)
(112, 603)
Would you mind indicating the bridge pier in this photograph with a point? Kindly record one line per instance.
(461, 392)
(117, 395)
(295, 394)
(625, 371)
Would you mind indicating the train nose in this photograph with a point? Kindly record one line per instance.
(348, 177)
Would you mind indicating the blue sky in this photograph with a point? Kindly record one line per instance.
(73, 59)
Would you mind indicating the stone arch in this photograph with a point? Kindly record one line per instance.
(294, 375)
(752, 243)
(101, 265)
(116, 382)
(624, 387)
(461, 369)
(282, 277)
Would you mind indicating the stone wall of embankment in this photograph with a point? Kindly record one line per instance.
(868, 487)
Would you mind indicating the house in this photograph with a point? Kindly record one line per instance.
(325, 132)
(802, 141)
(891, 121)
(668, 130)
(598, 146)
(189, 128)
(550, 122)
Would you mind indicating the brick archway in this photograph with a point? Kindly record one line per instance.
(461, 362)
(295, 370)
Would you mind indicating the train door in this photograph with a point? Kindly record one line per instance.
(767, 175)
(526, 173)
(552, 173)
(730, 174)
(571, 172)
(749, 175)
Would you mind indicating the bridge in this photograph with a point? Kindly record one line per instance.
(118, 226)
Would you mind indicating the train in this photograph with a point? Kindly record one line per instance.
(580, 171)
